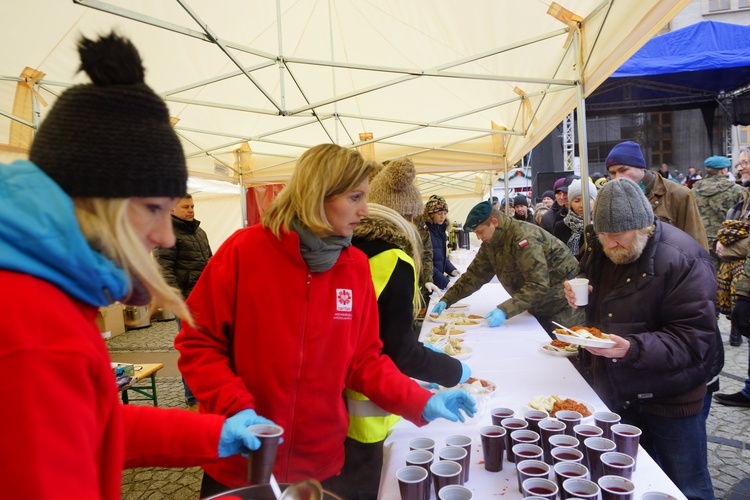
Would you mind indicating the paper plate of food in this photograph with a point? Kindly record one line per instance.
(554, 403)
(453, 347)
(560, 348)
(478, 385)
(448, 329)
(460, 319)
(458, 305)
(585, 336)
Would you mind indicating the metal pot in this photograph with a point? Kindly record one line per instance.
(137, 317)
(162, 314)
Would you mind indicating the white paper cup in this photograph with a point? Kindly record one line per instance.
(580, 287)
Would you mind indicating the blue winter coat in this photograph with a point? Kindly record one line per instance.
(441, 266)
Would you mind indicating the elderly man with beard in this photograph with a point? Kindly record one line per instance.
(652, 290)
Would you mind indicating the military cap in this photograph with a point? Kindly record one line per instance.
(477, 215)
(717, 162)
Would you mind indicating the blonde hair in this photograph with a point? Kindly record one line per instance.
(322, 172)
(412, 236)
(105, 226)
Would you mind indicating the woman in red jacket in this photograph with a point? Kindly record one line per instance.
(287, 319)
(77, 224)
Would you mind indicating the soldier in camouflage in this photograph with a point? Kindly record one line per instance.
(530, 263)
(715, 195)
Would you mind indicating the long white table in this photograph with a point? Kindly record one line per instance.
(511, 357)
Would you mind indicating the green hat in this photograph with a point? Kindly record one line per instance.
(477, 215)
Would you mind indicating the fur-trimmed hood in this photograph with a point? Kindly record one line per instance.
(376, 228)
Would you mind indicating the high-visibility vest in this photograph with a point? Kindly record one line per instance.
(369, 423)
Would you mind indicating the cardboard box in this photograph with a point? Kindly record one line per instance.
(111, 321)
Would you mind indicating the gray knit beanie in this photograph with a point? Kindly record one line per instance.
(394, 188)
(621, 206)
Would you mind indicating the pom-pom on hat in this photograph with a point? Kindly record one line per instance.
(478, 214)
(717, 162)
(394, 188)
(575, 190)
(621, 206)
(626, 153)
(436, 204)
(111, 138)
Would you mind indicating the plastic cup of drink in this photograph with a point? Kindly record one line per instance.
(421, 458)
(595, 447)
(548, 428)
(412, 482)
(560, 454)
(563, 441)
(493, 447)
(526, 469)
(583, 432)
(570, 418)
(510, 425)
(627, 437)
(617, 464)
(533, 417)
(540, 487)
(580, 488)
(616, 488)
(498, 414)
(458, 455)
(580, 287)
(605, 420)
(260, 462)
(569, 470)
(462, 442)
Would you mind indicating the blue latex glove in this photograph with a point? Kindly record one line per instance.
(235, 438)
(439, 307)
(433, 348)
(465, 373)
(448, 405)
(496, 317)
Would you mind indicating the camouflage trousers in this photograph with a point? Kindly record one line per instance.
(566, 316)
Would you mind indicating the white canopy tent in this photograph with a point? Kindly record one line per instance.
(464, 88)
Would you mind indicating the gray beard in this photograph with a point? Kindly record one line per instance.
(620, 255)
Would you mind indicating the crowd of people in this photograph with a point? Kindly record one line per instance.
(346, 255)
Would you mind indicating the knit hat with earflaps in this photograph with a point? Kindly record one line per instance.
(621, 206)
(435, 204)
(111, 138)
(394, 188)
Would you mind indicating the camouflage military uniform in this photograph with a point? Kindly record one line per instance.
(531, 264)
(715, 195)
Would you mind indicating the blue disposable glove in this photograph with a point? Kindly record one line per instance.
(465, 373)
(496, 317)
(235, 437)
(448, 405)
(439, 307)
(433, 348)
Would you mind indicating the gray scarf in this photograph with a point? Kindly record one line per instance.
(320, 254)
(575, 223)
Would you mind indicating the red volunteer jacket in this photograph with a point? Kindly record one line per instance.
(278, 338)
(63, 430)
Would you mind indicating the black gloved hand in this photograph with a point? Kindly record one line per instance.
(741, 315)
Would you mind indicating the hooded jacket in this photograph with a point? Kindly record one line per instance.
(285, 341)
(441, 266)
(184, 262)
(664, 305)
(67, 430)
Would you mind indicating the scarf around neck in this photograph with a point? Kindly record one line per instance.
(575, 223)
(320, 254)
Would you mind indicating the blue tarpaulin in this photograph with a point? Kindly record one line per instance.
(685, 68)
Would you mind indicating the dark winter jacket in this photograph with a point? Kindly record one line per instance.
(441, 266)
(664, 304)
(553, 215)
(183, 263)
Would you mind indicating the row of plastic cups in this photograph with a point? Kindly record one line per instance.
(414, 481)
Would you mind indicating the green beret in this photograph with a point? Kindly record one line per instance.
(477, 215)
(717, 162)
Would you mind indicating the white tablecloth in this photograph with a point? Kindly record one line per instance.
(511, 357)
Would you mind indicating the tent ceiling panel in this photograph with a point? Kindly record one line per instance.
(427, 79)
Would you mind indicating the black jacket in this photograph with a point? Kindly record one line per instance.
(183, 263)
(664, 305)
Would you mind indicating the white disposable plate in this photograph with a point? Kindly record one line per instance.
(563, 354)
(591, 408)
(458, 305)
(570, 339)
(465, 353)
(445, 319)
(451, 335)
(491, 387)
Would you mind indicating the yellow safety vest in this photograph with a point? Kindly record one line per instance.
(369, 423)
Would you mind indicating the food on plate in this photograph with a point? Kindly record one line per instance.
(451, 348)
(446, 327)
(552, 404)
(458, 318)
(585, 332)
(560, 346)
(474, 384)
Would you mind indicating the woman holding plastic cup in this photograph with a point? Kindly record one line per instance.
(287, 319)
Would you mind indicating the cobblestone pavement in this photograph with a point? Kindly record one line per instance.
(728, 427)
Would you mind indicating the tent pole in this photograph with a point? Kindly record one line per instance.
(582, 138)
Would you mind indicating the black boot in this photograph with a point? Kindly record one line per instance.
(735, 339)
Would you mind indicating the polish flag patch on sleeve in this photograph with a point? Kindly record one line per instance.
(523, 243)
